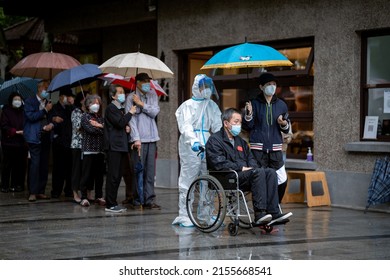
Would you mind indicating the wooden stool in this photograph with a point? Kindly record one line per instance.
(306, 179)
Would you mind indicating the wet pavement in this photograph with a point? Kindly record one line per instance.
(59, 229)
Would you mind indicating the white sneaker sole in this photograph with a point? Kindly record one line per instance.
(115, 211)
(281, 219)
(263, 220)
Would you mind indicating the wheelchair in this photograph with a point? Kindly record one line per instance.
(215, 195)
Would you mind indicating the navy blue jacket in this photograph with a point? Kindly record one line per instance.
(34, 120)
(264, 130)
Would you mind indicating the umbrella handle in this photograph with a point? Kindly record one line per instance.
(139, 150)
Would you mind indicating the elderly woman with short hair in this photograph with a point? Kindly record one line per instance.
(93, 165)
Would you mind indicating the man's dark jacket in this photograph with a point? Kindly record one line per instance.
(264, 128)
(221, 155)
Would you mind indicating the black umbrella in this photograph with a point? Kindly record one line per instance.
(379, 189)
(26, 87)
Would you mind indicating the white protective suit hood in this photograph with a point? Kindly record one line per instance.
(203, 87)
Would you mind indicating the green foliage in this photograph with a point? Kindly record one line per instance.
(6, 21)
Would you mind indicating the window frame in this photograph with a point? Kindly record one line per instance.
(364, 86)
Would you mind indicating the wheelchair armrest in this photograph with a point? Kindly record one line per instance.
(227, 178)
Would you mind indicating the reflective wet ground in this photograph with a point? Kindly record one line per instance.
(61, 229)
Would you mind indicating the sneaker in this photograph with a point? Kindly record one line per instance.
(280, 217)
(137, 206)
(262, 217)
(116, 209)
(152, 206)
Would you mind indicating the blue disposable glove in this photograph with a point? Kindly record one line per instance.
(196, 147)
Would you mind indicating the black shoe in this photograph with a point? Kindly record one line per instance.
(262, 218)
(19, 189)
(54, 195)
(4, 190)
(128, 200)
(152, 206)
(281, 217)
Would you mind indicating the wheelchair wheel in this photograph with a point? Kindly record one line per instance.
(206, 204)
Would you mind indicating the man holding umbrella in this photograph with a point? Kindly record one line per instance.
(37, 130)
(144, 133)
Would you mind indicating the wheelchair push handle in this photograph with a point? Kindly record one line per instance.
(201, 150)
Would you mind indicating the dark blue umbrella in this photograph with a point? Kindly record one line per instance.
(76, 76)
(379, 189)
(26, 87)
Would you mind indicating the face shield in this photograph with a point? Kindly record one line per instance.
(203, 87)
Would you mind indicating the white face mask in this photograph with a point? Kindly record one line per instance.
(270, 90)
(94, 108)
(65, 100)
(206, 93)
(16, 103)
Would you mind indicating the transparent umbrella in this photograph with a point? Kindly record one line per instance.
(130, 64)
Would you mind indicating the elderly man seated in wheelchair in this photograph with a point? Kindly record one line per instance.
(226, 150)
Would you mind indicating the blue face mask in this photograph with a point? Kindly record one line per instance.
(44, 94)
(121, 98)
(236, 129)
(146, 87)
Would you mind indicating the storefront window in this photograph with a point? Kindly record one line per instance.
(376, 85)
(295, 87)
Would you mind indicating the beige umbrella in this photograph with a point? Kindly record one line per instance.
(43, 65)
(130, 64)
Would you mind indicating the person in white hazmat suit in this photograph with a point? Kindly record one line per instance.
(196, 118)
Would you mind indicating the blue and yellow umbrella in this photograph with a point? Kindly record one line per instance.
(247, 55)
